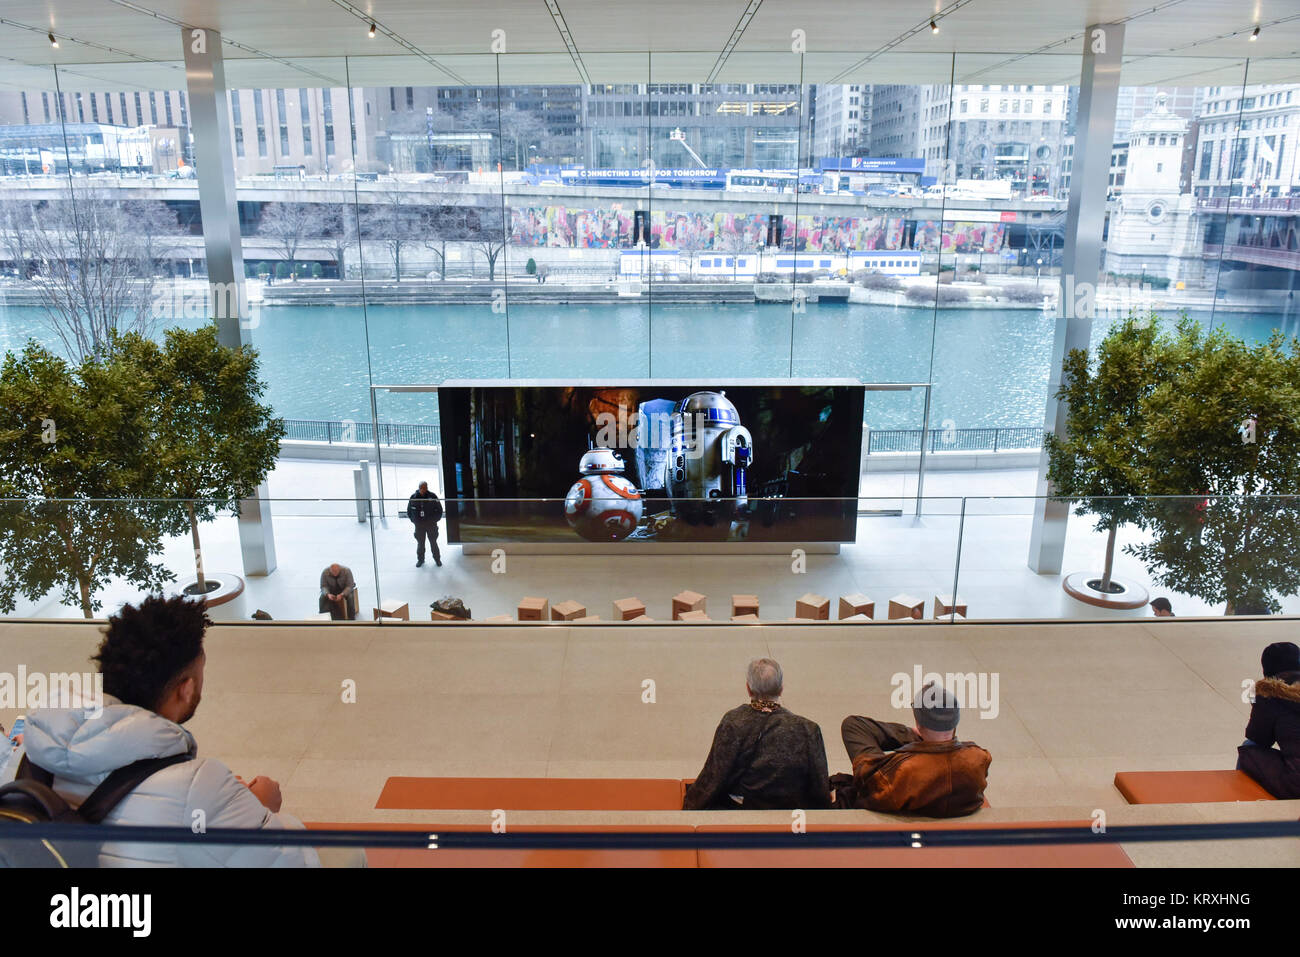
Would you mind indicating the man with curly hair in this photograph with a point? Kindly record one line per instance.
(152, 662)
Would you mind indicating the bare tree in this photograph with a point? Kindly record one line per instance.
(290, 225)
(16, 229)
(157, 227)
(339, 228)
(485, 231)
(96, 276)
(392, 220)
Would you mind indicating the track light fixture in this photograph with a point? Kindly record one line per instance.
(53, 42)
(1254, 36)
(371, 33)
(934, 27)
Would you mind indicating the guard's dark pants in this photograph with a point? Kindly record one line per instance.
(429, 531)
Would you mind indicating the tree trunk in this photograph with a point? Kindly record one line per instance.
(86, 610)
(1110, 558)
(198, 552)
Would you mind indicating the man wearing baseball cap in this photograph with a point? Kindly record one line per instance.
(1275, 718)
(919, 770)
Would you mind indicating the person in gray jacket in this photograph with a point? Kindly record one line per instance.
(152, 661)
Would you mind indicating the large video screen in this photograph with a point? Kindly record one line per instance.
(651, 462)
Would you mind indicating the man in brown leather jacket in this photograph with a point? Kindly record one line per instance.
(923, 770)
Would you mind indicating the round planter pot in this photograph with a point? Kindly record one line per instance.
(221, 588)
(1124, 595)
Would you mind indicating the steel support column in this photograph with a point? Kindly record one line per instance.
(205, 82)
(1103, 48)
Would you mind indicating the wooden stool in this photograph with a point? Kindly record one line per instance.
(687, 601)
(814, 607)
(744, 605)
(693, 616)
(942, 606)
(905, 606)
(746, 619)
(854, 606)
(393, 609)
(533, 609)
(567, 611)
(626, 609)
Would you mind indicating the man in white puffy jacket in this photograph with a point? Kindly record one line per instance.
(152, 662)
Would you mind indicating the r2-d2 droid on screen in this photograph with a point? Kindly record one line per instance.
(705, 472)
(603, 506)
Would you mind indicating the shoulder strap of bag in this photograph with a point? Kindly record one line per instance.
(114, 788)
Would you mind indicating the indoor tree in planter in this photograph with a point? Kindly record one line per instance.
(72, 464)
(213, 441)
(1100, 461)
(1226, 423)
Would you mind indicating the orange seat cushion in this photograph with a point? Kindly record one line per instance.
(1188, 787)
(1099, 854)
(531, 794)
(463, 857)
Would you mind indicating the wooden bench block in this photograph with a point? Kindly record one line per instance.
(853, 606)
(746, 619)
(952, 617)
(1189, 787)
(943, 606)
(814, 607)
(435, 615)
(567, 611)
(857, 618)
(744, 605)
(688, 601)
(533, 609)
(626, 609)
(906, 606)
(693, 616)
(393, 609)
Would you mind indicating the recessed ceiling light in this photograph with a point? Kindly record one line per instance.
(371, 34)
(1254, 36)
(53, 42)
(934, 27)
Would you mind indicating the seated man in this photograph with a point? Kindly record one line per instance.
(1275, 717)
(152, 661)
(338, 592)
(763, 756)
(922, 770)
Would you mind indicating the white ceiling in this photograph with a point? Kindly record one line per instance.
(135, 44)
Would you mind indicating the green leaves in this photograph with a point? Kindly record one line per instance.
(95, 457)
(1193, 416)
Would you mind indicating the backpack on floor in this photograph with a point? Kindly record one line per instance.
(30, 799)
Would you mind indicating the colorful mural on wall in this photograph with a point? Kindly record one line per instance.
(611, 228)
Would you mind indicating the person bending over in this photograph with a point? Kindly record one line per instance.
(763, 756)
(1275, 719)
(152, 660)
(338, 592)
(920, 770)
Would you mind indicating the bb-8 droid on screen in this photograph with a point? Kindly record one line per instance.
(603, 505)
